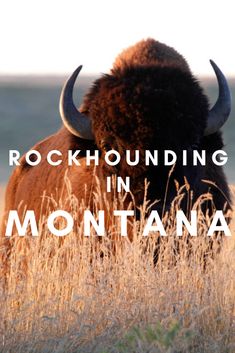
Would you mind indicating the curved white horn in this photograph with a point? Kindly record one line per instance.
(77, 123)
(219, 113)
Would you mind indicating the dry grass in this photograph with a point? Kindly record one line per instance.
(88, 295)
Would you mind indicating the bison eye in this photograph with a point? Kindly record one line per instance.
(106, 146)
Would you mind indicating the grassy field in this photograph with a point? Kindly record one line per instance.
(88, 295)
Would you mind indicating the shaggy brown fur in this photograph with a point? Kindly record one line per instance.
(150, 52)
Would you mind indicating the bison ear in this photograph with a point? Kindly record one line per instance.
(219, 113)
(74, 121)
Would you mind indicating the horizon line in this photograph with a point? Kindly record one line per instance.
(83, 75)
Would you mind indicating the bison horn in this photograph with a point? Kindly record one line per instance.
(219, 113)
(76, 122)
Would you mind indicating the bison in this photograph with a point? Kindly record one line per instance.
(149, 101)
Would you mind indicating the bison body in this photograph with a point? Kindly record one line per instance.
(149, 101)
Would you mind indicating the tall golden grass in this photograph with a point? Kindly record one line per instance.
(105, 294)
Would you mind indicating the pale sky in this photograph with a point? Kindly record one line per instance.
(49, 36)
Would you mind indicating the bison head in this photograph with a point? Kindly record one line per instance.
(149, 106)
